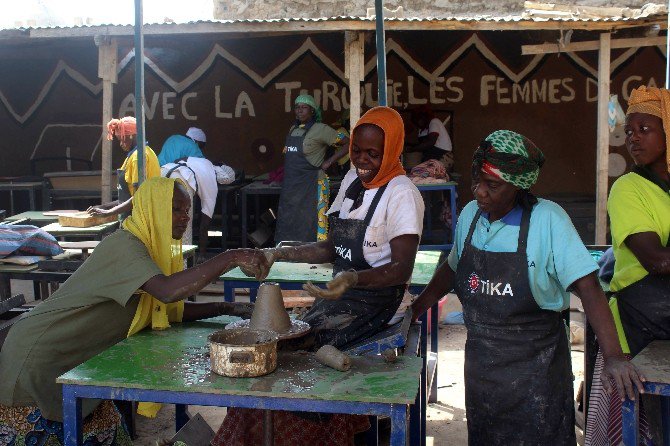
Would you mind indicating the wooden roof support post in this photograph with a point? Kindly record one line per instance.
(602, 158)
(354, 67)
(107, 71)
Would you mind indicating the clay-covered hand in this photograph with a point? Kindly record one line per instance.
(335, 288)
(625, 376)
(97, 211)
(253, 263)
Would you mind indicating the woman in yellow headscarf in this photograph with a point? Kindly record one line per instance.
(639, 210)
(132, 280)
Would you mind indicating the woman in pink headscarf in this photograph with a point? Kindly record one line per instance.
(125, 130)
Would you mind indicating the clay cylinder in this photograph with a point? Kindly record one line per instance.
(332, 357)
(269, 312)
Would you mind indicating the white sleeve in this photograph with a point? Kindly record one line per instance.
(404, 213)
(208, 189)
(435, 126)
(228, 175)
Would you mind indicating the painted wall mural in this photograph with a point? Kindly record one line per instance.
(241, 90)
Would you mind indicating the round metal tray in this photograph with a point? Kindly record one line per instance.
(298, 328)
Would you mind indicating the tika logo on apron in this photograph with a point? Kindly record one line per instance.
(343, 252)
(291, 149)
(484, 286)
(368, 244)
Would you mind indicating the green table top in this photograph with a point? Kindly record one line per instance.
(57, 230)
(37, 216)
(424, 267)
(177, 359)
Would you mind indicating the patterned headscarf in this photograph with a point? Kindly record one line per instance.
(309, 100)
(121, 127)
(656, 102)
(509, 156)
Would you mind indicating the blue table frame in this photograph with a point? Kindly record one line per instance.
(654, 362)
(427, 226)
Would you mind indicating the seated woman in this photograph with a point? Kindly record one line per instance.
(125, 130)
(639, 210)
(132, 280)
(375, 226)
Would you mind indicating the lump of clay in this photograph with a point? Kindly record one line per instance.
(332, 357)
(269, 312)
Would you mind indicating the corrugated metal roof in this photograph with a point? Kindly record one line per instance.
(525, 17)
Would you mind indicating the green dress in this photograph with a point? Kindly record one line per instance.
(89, 313)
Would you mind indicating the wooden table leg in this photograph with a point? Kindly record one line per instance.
(268, 428)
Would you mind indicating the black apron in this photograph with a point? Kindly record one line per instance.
(644, 308)
(644, 305)
(297, 212)
(359, 313)
(518, 377)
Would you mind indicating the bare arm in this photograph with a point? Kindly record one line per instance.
(342, 150)
(647, 247)
(598, 313)
(398, 271)
(441, 283)
(319, 252)
(183, 284)
(113, 208)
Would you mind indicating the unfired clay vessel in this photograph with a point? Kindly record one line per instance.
(269, 312)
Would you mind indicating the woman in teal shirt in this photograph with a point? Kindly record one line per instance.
(514, 259)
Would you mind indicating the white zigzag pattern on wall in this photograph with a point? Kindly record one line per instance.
(307, 46)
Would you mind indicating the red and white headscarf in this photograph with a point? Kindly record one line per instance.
(126, 126)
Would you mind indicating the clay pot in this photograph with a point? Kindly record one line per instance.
(243, 352)
(269, 312)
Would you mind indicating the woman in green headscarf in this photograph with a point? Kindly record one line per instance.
(305, 191)
(514, 259)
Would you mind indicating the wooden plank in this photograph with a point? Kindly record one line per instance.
(107, 71)
(84, 220)
(355, 72)
(654, 362)
(603, 140)
(591, 45)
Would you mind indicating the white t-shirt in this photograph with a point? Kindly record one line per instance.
(435, 126)
(399, 212)
(204, 176)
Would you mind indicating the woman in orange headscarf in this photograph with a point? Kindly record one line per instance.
(375, 226)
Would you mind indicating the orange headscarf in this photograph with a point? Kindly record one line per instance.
(391, 123)
(121, 127)
(656, 102)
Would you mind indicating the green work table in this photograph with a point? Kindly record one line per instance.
(291, 276)
(92, 232)
(35, 218)
(172, 366)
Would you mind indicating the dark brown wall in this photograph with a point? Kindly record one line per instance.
(477, 88)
